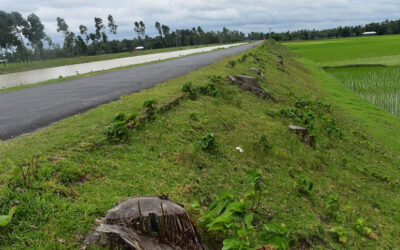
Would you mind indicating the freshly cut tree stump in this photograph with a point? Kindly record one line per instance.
(259, 72)
(146, 223)
(250, 84)
(303, 132)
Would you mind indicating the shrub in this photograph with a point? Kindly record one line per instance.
(192, 92)
(119, 117)
(265, 144)
(208, 142)
(209, 89)
(215, 78)
(232, 63)
(332, 202)
(150, 104)
(243, 58)
(117, 131)
(277, 236)
(150, 107)
(235, 221)
(304, 184)
(187, 87)
(193, 117)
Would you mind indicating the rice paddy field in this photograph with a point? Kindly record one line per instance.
(369, 66)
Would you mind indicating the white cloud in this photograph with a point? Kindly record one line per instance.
(244, 15)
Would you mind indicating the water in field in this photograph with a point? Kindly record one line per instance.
(378, 84)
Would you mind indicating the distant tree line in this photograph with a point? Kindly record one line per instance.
(381, 28)
(22, 40)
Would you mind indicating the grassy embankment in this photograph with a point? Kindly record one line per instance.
(79, 175)
(19, 67)
(369, 66)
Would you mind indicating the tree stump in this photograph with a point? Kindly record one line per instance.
(259, 72)
(303, 132)
(146, 223)
(250, 84)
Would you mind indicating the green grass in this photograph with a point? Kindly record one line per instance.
(357, 62)
(19, 67)
(379, 60)
(80, 175)
(379, 85)
(342, 50)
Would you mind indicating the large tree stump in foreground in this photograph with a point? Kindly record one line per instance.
(146, 223)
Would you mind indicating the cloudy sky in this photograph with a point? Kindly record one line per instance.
(243, 15)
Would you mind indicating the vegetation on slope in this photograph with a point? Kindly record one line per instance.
(343, 192)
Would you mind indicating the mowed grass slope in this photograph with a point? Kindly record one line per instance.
(79, 175)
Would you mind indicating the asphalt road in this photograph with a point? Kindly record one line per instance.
(29, 109)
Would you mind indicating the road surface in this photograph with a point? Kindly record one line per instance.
(29, 109)
(41, 75)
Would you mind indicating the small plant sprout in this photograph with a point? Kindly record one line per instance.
(363, 229)
(6, 219)
(208, 142)
(188, 88)
(332, 202)
(265, 144)
(340, 233)
(193, 117)
(254, 179)
(304, 184)
(232, 63)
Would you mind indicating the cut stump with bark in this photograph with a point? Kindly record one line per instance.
(146, 223)
(250, 84)
(303, 132)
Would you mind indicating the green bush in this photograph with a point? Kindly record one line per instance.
(236, 222)
(232, 63)
(150, 104)
(119, 117)
(187, 87)
(117, 131)
(209, 89)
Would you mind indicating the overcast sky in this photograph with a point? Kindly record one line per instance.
(243, 15)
